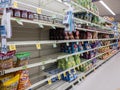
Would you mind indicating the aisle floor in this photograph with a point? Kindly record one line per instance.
(107, 77)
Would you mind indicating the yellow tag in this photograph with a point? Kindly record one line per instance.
(39, 10)
(65, 74)
(78, 68)
(74, 71)
(38, 46)
(15, 4)
(69, 72)
(84, 77)
(94, 69)
(59, 77)
(12, 47)
(49, 82)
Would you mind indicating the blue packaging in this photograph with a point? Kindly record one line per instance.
(3, 31)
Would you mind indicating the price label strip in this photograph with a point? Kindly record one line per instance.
(12, 47)
(38, 46)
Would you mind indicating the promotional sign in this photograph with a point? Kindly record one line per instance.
(5, 3)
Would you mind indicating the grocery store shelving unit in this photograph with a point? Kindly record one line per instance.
(28, 39)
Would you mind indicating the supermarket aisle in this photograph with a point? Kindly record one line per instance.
(106, 77)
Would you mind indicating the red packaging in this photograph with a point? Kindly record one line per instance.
(30, 15)
(24, 14)
(16, 13)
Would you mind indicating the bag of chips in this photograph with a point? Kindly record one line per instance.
(24, 81)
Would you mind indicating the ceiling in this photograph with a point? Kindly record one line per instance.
(114, 6)
(56, 6)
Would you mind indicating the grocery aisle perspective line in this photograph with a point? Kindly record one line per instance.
(107, 77)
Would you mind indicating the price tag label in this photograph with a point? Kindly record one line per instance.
(24, 67)
(38, 46)
(78, 68)
(15, 4)
(84, 77)
(69, 71)
(82, 42)
(49, 82)
(41, 26)
(12, 47)
(54, 45)
(74, 71)
(53, 27)
(77, 43)
(64, 74)
(2, 73)
(67, 44)
(59, 76)
(39, 10)
(43, 62)
(18, 20)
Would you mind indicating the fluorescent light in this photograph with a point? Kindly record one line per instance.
(107, 7)
(59, 1)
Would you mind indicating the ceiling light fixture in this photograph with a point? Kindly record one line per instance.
(107, 7)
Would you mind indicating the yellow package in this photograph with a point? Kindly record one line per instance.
(12, 83)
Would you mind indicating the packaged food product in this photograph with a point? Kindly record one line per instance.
(24, 81)
(30, 15)
(22, 58)
(9, 82)
(24, 14)
(6, 60)
(16, 13)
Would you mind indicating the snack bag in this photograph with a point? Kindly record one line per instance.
(24, 81)
(9, 82)
(12, 83)
(77, 59)
(6, 60)
(22, 58)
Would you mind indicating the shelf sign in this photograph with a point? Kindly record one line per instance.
(15, 4)
(49, 82)
(39, 10)
(38, 46)
(12, 47)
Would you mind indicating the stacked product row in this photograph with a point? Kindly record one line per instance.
(18, 80)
